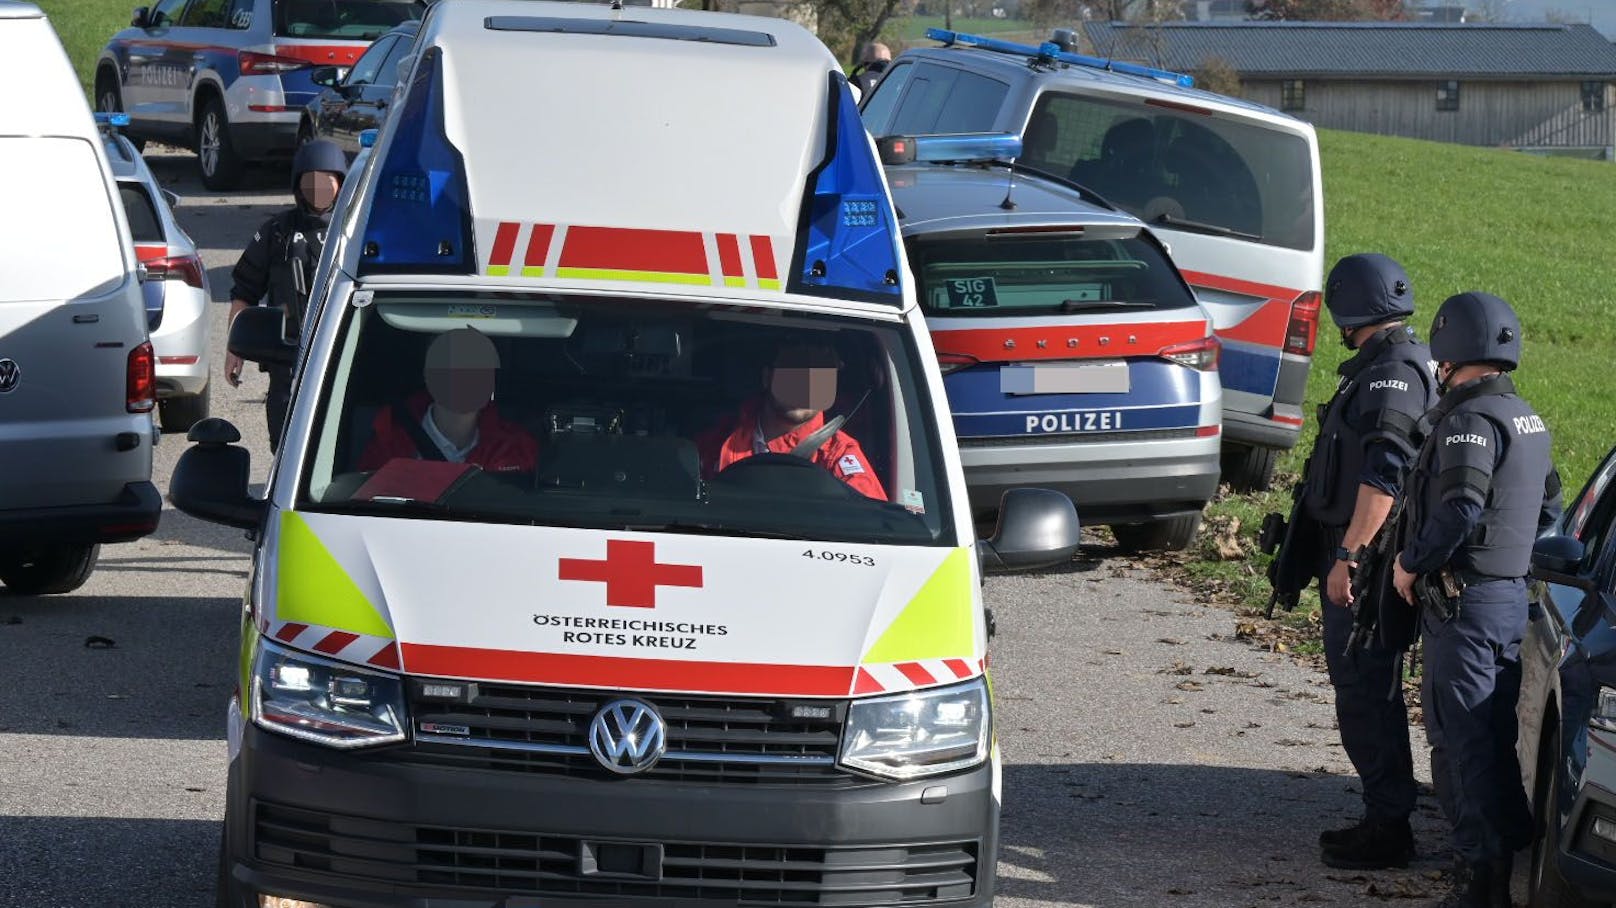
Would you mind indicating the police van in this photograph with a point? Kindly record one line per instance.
(618, 546)
(1231, 186)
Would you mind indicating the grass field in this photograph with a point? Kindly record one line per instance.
(85, 26)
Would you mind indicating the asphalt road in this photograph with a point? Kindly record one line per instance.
(1151, 759)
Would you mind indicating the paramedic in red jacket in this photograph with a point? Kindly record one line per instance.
(799, 384)
(455, 418)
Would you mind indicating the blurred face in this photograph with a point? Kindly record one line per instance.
(802, 382)
(461, 390)
(318, 190)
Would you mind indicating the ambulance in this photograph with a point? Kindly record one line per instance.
(618, 549)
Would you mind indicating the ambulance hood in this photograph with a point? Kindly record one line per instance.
(645, 612)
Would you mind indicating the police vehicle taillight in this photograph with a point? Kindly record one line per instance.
(187, 268)
(953, 362)
(1302, 332)
(1200, 355)
(140, 385)
(255, 64)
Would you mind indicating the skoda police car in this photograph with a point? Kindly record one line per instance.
(1232, 187)
(1074, 354)
(540, 613)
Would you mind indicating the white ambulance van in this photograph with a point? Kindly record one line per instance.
(617, 551)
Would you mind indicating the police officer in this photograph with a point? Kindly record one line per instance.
(1483, 487)
(279, 263)
(873, 61)
(1366, 444)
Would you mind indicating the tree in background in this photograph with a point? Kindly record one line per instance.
(1337, 10)
(847, 25)
(1219, 75)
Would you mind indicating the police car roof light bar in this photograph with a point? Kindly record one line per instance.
(968, 147)
(115, 119)
(1050, 51)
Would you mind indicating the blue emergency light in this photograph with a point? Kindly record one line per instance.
(1049, 51)
(959, 148)
(849, 242)
(367, 138)
(115, 119)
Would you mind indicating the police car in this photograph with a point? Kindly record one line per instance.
(175, 286)
(1231, 187)
(617, 548)
(230, 78)
(1074, 354)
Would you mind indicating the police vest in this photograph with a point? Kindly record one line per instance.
(1334, 470)
(1501, 544)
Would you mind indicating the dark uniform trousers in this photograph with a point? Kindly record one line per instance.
(277, 402)
(1474, 661)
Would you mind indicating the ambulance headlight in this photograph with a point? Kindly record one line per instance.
(917, 734)
(330, 703)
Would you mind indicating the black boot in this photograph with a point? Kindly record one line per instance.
(1499, 871)
(1472, 888)
(1336, 838)
(1377, 845)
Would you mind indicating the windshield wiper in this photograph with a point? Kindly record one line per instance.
(391, 506)
(708, 529)
(1203, 227)
(1091, 305)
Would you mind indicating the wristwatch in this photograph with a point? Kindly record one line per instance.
(1352, 556)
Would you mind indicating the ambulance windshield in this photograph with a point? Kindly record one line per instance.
(619, 414)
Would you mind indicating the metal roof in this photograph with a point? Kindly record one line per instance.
(1365, 50)
(936, 197)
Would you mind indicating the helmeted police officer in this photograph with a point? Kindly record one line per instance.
(1366, 444)
(1483, 487)
(279, 263)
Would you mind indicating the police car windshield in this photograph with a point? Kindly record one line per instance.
(620, 414)
(1042, 273)
(1184, 169)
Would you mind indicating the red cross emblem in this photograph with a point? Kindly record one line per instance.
(631, 573)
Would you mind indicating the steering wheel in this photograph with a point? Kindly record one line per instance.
(771, 471)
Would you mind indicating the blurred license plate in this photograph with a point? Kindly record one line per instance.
(1065, 378)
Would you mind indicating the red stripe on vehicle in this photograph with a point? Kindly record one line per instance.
(959, 667)
(729, 254)
(1287, 420)
(1267, 325)
(322, 54)
(289, 632)
(146, 253)
(538, 245)
(865, 683)
(333, 642)
(386, 657)
(624, 249)
(763, 258)
(915, 672)
(989, 344)
(621, 672)
(504, 243)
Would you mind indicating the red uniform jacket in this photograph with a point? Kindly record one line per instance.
(502, 446)
(841, 454)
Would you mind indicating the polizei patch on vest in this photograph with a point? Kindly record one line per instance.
(1384, 383)
(1468, 438)
(1527, 425)
(1090, 421)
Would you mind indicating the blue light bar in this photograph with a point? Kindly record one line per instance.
(1051, 51)
(849, 244)
(367, 138)
(117, 119)
(420, 219)
(985, 146)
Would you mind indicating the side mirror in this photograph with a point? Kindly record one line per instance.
(141, 18)
(325, 75)
(1037, 528)
(259, 334)
(210, 480)
(171, 197)
(1556, 559)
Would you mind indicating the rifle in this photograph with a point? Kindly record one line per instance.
(1295, 545)
(1372, 581)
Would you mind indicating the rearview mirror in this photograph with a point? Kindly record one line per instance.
(325, 75)
(1557, 558)
(258, 334)
(210, 479)
(140, 18)
(1037, 528)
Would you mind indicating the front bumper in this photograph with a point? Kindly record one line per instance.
(1588, 861)
(366, 830)
(133, 514)
(1108, 481)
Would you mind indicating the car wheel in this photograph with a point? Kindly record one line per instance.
(1168, 535)
(108, 99)
(1547, 889)
(216, 155)
(179, 414)
(48, 569)
(1248, 469)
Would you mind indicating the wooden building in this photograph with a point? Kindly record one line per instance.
(1534, 87)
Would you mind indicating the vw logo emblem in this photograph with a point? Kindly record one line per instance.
(627, 736)
(10, 372)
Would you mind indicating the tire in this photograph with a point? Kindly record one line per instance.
(216, 156)
(48, 570)
(1168, 535)
(1545, 887)
(108, 99)
(179, 414)
(1248, 469)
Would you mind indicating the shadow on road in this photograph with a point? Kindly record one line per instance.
(106, 861)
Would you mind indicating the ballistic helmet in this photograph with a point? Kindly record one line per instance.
(1367, 289)
(320, 155)
(1476, 328)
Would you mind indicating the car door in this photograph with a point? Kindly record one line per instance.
(354, 110)
(158, 66)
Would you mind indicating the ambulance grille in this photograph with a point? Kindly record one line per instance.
(1074, 438)
(510, 863)
(710, 740)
